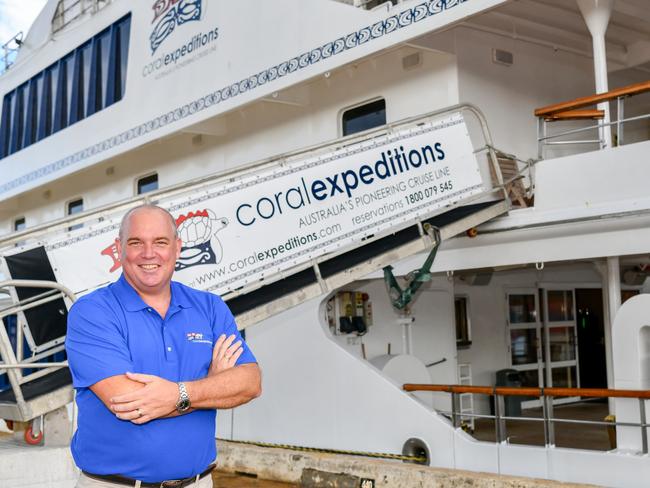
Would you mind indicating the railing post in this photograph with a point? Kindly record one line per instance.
(620, 109)
(499, 423)
(549, 425)
(541, 131)
(455, 410)
(545, 421)
(644, 430)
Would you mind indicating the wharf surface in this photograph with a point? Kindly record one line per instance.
(324, 470)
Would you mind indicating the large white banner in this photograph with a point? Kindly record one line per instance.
(269, 221)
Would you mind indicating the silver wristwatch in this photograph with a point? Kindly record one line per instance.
(183, 404)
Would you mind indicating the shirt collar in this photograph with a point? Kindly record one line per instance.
(132, 302)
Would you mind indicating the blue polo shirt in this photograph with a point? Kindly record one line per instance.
(112, 331)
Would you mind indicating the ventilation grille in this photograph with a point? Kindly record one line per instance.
(499, 56)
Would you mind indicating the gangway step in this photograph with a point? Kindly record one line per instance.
(41, 396)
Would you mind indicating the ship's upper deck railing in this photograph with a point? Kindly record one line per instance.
(576, 110)
(546, 395)
(67, 11)
(10, 50)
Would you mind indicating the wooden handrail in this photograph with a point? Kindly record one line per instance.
(582, 114)
(625, 91)
(531, 391)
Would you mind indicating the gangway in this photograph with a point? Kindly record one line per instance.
(269, 235)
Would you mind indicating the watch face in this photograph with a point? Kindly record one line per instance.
(183, 405)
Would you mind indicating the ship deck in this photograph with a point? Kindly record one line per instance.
(569, 435)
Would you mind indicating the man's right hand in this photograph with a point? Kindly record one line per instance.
(225, 354)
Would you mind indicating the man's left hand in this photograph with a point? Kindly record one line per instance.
(157, 399)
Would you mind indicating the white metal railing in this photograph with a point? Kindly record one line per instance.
(68, 11)
(546, 395)
(10, 51)
(570, 111)
(14, 361)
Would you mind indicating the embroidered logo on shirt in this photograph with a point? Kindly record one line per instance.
(197, 337)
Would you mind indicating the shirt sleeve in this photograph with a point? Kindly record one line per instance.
(224, 323)
(95, 345)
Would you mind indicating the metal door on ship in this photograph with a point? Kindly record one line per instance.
(524, 340)
(560, 339)
(543, 347)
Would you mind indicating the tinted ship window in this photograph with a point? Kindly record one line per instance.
(83, 82)
(20, 224)
(75, 207)
(147, 184)
(364, 117)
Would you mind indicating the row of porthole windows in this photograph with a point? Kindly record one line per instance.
(143, 184)
(356, 119)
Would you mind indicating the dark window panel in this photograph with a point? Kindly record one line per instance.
(5, 125)
(63, 92)
(75, 207)
(88, 78)
(18, 119)
(20, 224)
(147, 184)
(45, 111)
(32, 111)
(94, 87)
(80, 83)
(364, 117)
(125, 30)
(69, 86)
(105, 59)
(113, 77)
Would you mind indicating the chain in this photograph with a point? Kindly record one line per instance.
(400, 457)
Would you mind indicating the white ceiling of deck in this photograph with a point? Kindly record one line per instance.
(560, 23)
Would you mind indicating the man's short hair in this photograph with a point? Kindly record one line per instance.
(124, 224)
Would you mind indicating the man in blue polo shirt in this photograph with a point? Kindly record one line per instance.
(151, 360)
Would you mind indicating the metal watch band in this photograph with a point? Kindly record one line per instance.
(183, 403)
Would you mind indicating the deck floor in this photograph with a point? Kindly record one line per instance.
(577, 436)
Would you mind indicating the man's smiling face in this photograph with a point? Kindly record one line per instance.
(149, 249)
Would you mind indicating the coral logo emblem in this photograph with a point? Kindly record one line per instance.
(198, 231)
(171, 13)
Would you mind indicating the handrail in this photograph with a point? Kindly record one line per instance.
(626, 91)
(546, 395)
(578, 114)
(13, 362)
(7, 51)
(38, 284)
(531, 391)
